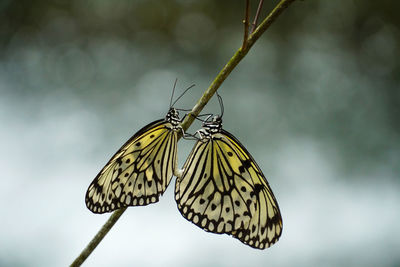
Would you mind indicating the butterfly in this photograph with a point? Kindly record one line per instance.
(223, 190)
(140, 171)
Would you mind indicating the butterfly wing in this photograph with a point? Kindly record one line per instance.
(222, 190)
(138, 173)
(205, 193)
(265, 226)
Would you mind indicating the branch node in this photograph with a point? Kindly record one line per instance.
(246, 24)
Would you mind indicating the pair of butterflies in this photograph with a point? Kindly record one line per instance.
(221, 189)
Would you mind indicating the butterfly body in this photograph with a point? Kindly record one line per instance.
(222, 190)
(140, 171)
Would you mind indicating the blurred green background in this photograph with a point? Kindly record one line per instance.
(316, 102)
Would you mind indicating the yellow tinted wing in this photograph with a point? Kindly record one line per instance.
(138, 173)
(265, 226)
(222, 190)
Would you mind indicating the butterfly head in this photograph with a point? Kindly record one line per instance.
(213, 125)
(173, 117)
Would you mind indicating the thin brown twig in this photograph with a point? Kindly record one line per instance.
(254, 24)
(264, 25)
(246, 24)
(232, 63)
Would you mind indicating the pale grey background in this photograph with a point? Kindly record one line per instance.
(316, 102)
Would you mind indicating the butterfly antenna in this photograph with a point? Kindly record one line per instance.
(221, 104)
(173, 91)
(209, 115)
(183, 109)
(187, 89)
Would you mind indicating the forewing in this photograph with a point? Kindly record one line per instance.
(138, 173)
(207, 193)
